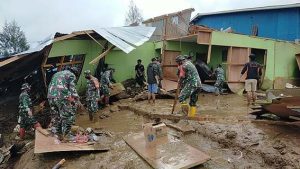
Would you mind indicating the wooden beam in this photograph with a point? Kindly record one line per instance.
(64, 37)
(209, 53)
(94, 61)
(94, 39)
(71, 35)
(12, 59)
(61, 63)
(66, 63)
(209, 49)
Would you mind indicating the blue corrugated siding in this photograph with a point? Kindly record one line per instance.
(277, 24)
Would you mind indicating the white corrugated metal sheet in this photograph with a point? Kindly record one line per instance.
(126, 38)
(47, 41)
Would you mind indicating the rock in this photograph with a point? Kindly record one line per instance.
(279, 145)
(122, 95)
(114, 108)
(231, 134)
(92, 157)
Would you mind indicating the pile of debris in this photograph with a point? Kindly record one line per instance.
(282, 104)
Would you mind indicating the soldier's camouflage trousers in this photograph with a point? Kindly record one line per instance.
(219, 85)
(26, 121)
(92, 105)
(104, 90)
(187, 92)
(62, 115)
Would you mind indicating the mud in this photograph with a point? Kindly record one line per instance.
(232, 140)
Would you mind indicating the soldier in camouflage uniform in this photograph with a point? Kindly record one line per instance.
(219, 73)
(64, 100)
(92, 93)
(190, 85)
(26, 119)
(106, 84)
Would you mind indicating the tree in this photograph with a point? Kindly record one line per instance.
(12, 39)
(134, 16)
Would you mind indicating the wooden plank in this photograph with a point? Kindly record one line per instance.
(237, 57)
(96, 60)
(12, 59)
(209, 53)
(94, 39)
(71, 35)
(168, 85)
(66, 63)
(44, 144)
(167, 153)
(185, 129)
(61, 63)
(169, 60)
(203, 37)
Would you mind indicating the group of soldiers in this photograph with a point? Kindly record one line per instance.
(64, 100)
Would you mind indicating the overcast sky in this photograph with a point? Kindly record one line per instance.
(40, 18)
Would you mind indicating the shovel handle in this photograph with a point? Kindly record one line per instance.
(176, 97)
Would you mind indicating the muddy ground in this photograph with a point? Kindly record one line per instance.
(229, 136)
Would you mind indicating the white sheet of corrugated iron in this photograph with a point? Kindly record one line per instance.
(126, 38)
(41, 45)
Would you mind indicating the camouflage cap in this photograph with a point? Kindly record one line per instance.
(180, 58)
(87, 72)
(25, 86)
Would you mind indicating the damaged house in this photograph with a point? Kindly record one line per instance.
(172, 36)
(83, 49)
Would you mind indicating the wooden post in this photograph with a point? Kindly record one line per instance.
(61, 63)
(209, 49)
(94, 39)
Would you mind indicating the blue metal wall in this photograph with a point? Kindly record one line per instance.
(276, 24)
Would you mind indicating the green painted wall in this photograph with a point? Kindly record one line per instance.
(281, 60)
(73, 47)
(230, 39)
(285, 60)
(124, 64)
(186, 47)
(280, 55)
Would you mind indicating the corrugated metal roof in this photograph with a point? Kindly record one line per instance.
(294, 5)
(126, 38)
(47, 41)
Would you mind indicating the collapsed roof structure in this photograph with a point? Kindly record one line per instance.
(22, 64)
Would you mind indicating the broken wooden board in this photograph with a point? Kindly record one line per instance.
(167, 153)
(117, 88)
(168, 85)
(44, 144)
(185, 129)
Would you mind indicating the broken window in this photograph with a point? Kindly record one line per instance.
(56, 64)
(174, 20)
